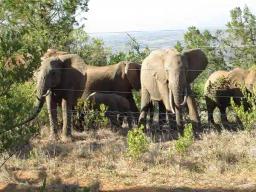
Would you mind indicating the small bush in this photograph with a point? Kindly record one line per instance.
(91, 119)
(184, 142)
(246, 116)
(138, 142)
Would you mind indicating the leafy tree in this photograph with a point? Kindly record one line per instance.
(240, 38)
(28, 29)
(91, 50)
(135, 53)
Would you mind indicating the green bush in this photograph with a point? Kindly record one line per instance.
(15, 108)
(138, 142)
(247, 117)
(185, 141)
(92, 119)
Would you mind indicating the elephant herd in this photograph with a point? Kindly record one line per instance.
(164, 77)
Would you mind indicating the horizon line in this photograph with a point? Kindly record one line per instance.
(137, 31)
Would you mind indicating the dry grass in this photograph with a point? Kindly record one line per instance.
(98, 160)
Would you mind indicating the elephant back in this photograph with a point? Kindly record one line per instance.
(216, 81)
(237, 77)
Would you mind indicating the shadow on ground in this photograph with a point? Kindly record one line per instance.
(96, 188)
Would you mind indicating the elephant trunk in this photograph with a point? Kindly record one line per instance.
(178, 97)
(37, 109)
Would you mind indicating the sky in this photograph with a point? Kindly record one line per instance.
(148, 15)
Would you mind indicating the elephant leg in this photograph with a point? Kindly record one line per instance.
(161, 114)
(224, 119)
(113, 118)
(193, 113)
(120, 118)
(134, 109)
(67, 120)
(145, 106)
(151, 113)
(129, 119)
(52, 111)
(210, 106)
(164, 92)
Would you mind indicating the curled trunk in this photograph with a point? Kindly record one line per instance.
(42, 92)
(36, 111)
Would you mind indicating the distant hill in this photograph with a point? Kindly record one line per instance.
(118, 41)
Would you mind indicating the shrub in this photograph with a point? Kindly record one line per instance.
(14, 108)
(91, 119)
(184, 142)
(138, 142)
(246, 116)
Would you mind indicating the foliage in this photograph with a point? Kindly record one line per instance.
(138, 142)
(48, 23)
(240, 38)
(14, 107)
(91, 118)
(185, 141)
(226, 48)
(134, 54)
(246, 116)
(27, 30)
(91, 50)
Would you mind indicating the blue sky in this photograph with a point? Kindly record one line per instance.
(142, 15)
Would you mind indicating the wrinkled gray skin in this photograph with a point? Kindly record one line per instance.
(61, 81)
(118, 107)
(120, 79)
(218, 96)
(166, 76)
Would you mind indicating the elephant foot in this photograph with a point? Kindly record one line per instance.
(66, 138)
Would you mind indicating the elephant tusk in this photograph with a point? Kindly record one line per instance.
(185, 97)
(171, 102)
(47, 93)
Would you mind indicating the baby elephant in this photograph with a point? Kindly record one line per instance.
(118, 107)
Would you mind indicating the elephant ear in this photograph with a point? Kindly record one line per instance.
(196, 63)
(132, 72)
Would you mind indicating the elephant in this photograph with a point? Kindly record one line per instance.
(61, 80)
(118, 107)
(120, 79)
(166, 76)
(221, 86)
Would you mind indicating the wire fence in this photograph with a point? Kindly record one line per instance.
(115, 113)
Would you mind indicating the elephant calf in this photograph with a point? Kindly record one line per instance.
(118, 107)
(222, 85)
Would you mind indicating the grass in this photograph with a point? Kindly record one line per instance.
(219, 162)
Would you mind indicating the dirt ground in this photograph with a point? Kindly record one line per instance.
(98, 161)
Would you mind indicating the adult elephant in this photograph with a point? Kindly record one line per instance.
(60, 81)
(221, 86)
(120, 79)
(166, 75)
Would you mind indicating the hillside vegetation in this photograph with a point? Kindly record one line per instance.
(105, 159)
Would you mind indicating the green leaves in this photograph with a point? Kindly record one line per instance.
(240, 40)
(184, 142)
(27, 29)
(138, 142)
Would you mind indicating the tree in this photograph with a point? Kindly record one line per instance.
(240, 38)
(28, 29)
